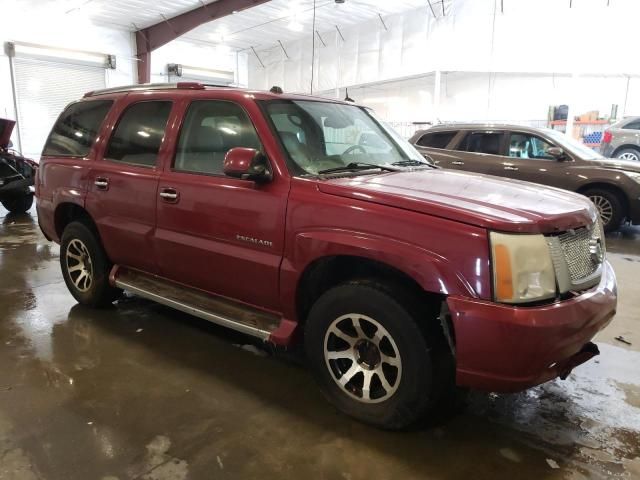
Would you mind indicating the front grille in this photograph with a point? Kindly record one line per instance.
(580, 248)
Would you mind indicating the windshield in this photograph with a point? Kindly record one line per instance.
(573, 145)
(321, 136)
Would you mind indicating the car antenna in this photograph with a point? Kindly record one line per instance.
(276, 89)
(347, 98)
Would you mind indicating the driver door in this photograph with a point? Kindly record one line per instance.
(216, 233)
(527, 159)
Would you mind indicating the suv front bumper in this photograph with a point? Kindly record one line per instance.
(503, 348)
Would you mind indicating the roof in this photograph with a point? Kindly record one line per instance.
(471, 126)
(259, 94)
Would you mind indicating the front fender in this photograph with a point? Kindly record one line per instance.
(431, 271)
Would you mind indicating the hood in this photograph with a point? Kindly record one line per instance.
(617, 164)
(481, 200)
(6, 128)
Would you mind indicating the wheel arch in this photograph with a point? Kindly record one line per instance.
(326, 272)
(625, 147)
(68, 212)
(617, 191)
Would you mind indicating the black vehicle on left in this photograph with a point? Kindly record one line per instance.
(17, 174)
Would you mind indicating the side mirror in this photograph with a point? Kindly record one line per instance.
(247, 164)
(556, 152)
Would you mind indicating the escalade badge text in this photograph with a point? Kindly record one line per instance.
(255, 241)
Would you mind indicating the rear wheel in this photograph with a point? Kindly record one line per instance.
(85, 266)
(18, 204)
(609, 206)
(369, 356)
(628, 154)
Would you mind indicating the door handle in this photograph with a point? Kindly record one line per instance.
(102, 183)
(169, 195)
(513, 169)
(457, 162)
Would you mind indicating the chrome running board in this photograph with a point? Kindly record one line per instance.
(215, 309)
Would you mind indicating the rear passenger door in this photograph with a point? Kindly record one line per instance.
(220, 234)
(433, 145)
(478, 150)
(123, 181)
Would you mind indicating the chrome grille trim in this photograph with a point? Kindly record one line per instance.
(575, 264)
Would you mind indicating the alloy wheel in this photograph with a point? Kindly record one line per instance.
(363, 358)
(605, 209)
(79, 266)
(629, 156)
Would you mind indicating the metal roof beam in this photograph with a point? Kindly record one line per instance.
(150, 38)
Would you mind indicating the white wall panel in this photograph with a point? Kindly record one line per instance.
(390, 59)
(530, 36)
(328, 56)
(193, 54)
(54, 28)
(43, 90)
(368, 51)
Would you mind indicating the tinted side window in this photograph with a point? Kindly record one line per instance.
(632, 125)
(139, 133)
(77, 128)
(482, 142)
(211, 128)
(436, 139)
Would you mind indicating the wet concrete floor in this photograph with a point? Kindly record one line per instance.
(143, 392)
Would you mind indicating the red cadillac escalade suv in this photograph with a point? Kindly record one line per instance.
(301, 219)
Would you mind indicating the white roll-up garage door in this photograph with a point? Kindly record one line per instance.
(43, 90)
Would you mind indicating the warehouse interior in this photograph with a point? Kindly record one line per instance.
(141, 390)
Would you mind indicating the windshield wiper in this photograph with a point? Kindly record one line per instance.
(411, 163)
(355, 166)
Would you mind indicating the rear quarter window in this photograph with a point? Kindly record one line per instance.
(436, 139)
(635, 125)
(76, 129)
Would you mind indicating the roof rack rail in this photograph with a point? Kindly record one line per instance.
(152, 86)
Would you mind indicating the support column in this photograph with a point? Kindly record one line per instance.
(144, 58)
(154, 36)
(571, 105)
(436, 97)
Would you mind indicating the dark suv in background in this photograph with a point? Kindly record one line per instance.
(17, 173)
(538, 155)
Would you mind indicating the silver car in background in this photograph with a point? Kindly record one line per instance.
(622, 140)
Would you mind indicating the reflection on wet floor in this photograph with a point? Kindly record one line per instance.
(141, 391)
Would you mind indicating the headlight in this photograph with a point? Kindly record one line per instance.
(635, 176)
(522, 268)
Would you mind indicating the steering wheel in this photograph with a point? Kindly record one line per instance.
(353, 148)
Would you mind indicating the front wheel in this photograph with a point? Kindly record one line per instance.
(85, 266)
(609, 207)
(369, 355)
(18, 204)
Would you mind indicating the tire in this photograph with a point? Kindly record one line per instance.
(388, 318)
(85, 266)
(610, 207)
(628, 154)
(18, 204)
